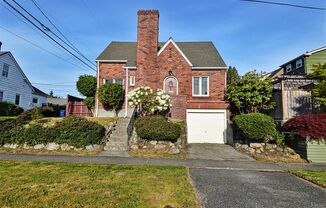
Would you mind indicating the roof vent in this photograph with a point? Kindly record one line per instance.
(0, 45)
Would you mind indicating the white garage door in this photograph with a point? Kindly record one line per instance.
(206, 126)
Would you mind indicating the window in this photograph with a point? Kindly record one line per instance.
(1, 96)
(17, 99)
(288, 68)
(200, 86)
(132, 80)
(35, 100)
(117, 81)
(298, 63)
(5, 70)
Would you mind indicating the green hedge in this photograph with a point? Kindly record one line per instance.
(75, 131)
(157, 128)
(10, 109)
(257, 127)
(36, 113)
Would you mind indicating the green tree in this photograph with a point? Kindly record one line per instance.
(111, 95)
(251, 93)
(86, 85)
(89, 102)
(232, 75)
(319, 92)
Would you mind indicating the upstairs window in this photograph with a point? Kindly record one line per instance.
(1, 96)
(132, 81)
(288, 68)
(17, 99)
(200, 86)
(5, 70)
(117, 81)
(298, 63)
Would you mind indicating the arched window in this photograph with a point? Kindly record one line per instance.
(170, 85)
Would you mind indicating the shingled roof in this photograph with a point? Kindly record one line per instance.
(200, 54)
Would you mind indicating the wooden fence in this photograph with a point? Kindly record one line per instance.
(75, 106)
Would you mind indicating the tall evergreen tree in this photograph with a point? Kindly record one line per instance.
(232, 75)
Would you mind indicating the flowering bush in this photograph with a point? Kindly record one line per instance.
(147, 101)
(313, 126)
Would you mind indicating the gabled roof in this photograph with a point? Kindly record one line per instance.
(308, 53)
(34, 89)
(37, 91)
(199, 54)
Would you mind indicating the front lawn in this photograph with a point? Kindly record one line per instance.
(45, 184)
(315, 176)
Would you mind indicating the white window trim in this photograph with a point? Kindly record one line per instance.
(288, 68)
(132, 81)
(19, 99)
(3, 66)
(177, 93)
(200, 86)
(299, 61)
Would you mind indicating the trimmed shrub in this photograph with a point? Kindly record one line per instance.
(111, 95)
(75, 131)
(10, 109)
(258, 127)
(86, 85)
(36, 113)
(313, 126)
(157, 128)
(78, 131)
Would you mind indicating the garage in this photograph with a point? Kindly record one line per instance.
(206, 126)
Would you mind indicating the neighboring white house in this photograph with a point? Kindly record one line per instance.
(15, 86)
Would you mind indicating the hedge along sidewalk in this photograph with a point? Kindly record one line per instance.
(74, 131)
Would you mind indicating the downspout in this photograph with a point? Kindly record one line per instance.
(98, 85)
(126, 93)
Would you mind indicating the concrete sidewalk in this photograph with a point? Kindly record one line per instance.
(191, 163)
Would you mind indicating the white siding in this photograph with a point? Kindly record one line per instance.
(14, 84)
(41, 100)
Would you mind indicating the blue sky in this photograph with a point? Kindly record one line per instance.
(248, 35)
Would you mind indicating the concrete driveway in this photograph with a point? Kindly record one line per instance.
(215, 152)
(250, 188)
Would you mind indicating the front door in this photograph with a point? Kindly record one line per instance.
(171, 86)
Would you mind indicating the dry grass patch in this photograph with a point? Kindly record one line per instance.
(156, 154)
(277, 158)
(44, 184)
(20, 150)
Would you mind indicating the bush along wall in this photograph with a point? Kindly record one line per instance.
(257, 127)
(71, 131)
(157, 134)
(308, 136)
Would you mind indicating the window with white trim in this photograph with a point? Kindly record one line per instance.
(200, 86)
(5, 70)
(17, 99)
(117, 81)
(35, 100)
(288, 68)
(132, 81)
(1, 96)
(298, 63)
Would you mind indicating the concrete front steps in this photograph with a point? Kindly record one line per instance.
(117, 144)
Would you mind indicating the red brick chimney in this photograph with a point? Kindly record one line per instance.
(147, 46)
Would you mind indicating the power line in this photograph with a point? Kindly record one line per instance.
(40, 47)
(286, 4)
(56, 85)
(47, 29)
(61, 33)
(48, 35)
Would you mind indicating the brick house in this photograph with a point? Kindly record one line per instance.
(193, 73)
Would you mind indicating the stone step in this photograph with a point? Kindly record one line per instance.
(116, 148)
